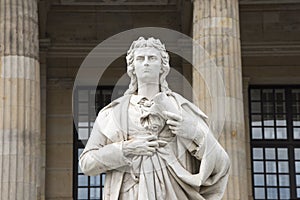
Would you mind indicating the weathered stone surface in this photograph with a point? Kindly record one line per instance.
(19, 101)
(216, 28)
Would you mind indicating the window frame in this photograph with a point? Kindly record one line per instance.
(290, 143)
(77, 143)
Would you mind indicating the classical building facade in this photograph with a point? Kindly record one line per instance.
(254, 43)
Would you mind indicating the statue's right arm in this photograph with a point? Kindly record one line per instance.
(100, 153)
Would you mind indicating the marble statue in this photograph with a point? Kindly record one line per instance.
(152, 143)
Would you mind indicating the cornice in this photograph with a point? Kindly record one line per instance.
(113, 6)
(269, 5)
(83, 49)
(114, 2)
(291, 48)
(271, 49)
(114, 9)
(268, 2)
(60, 83)
(70, 49)
(44, 44)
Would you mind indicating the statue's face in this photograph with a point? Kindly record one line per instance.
(148, 64)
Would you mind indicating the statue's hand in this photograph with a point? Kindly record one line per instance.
(141, 145)
(182, 126)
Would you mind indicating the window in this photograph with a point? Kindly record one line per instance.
(88, 187)
(275, 141)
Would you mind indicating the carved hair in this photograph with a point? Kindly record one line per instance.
(141, 43)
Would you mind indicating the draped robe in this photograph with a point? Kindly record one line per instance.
(182, 169)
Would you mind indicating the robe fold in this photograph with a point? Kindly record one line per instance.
(183, 169)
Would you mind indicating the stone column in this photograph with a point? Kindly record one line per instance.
(19, 100)
(216, 29)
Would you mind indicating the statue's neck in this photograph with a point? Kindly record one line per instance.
(148, 90)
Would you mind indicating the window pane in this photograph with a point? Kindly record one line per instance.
(95, 180)
(270, 166)
(298, 180)
(279, 94)
(297, 166)
(79, 169)
(259, 193)
(258, 166)
(270, 153)
(82, 180)
(282, 153)
(283, 167)
(255, 107)
(269, 133)
(284, 180)
(296, 133)
(268, 95)
(83, 124)
(83, 133)
(256, 120)
(92, 123)
(272, 193)
(259, 180)
(298, 192)
(103, 179)
(281, 133)
(95, 193)
(256, 133)
(83, 121)
(284, 193)
(268, 120)
(297, 153)
(296, 120)
(268, 107)
(296, 107)
(280, 107)
(257, 153)
(83, 108)
(82, 193)
(79, 152)
(83, 95)
(280, 120)
(93, 110)
(271, 180)
(255, 94)
(296, 94)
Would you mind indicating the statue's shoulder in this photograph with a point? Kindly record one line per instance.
(184, 103)
(112, 105)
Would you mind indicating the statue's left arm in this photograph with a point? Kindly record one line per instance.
(192, 129)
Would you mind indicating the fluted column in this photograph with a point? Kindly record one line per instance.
(216, 29)
(19, 100)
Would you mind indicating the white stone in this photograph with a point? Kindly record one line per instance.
(19, 67)
(147, 140)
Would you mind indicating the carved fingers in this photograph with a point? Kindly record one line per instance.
(141, 145)
(181, 126)
(173, 116)
(174, 122)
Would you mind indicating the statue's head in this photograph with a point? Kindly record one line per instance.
(165, 67)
